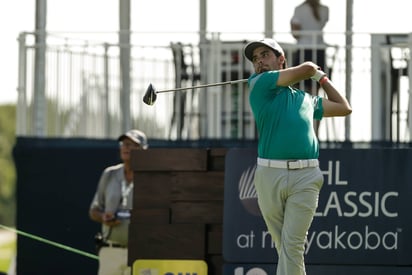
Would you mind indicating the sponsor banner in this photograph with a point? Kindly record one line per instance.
(363, 215)
(268, 269)
(169, 267)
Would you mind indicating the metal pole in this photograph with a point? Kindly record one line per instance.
(202, 20)
(39, 100)
(348, 61)
(21, 121)
(124, 41)
(203, 52)
(268, 18)
(106, 91)
(410, 87)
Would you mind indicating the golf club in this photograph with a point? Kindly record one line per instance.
(151, 94)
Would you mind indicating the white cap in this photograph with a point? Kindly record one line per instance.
(268, 42)
(136, 136)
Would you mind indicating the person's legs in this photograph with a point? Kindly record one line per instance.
(127, 270)
(270, 184)
(304, 186)
(113, 261)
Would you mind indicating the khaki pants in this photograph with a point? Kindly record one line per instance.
(288, 201)
(113, 261)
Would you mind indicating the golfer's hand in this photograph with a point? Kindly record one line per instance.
(318, 75)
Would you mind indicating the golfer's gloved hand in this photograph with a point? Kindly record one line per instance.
(318, 75)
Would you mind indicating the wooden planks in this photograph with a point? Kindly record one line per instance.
(171, 241)
(197, 212)
(194, 186)
(151, 216)
(152, 189)
(178, 205)
(176, 159)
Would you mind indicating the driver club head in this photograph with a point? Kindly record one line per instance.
(150, 96)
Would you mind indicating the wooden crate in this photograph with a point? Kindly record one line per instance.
(178, 205)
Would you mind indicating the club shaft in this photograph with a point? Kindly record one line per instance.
(203, 86)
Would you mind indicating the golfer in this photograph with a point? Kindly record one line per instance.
(288, 178)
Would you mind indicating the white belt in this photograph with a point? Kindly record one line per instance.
(288, 164)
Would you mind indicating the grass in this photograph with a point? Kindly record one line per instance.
(7, 249)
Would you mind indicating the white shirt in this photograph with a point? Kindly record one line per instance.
(311, 28)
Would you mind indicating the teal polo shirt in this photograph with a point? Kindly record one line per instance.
(284, 118)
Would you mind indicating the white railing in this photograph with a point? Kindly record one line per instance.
(82, 93)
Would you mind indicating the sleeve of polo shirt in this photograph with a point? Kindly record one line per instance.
(99, 197)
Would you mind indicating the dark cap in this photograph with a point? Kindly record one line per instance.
(268, 42)
(136, 136)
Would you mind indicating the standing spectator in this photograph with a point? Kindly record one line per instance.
(287, 178)
(111, 207)
(307, 25)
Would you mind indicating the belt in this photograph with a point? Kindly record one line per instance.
(114, 245)
(288, 164)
